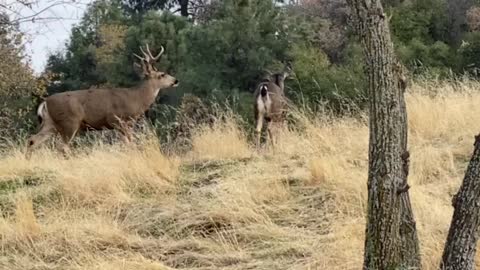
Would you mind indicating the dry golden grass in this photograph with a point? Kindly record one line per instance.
(225, 205)
(223, 141)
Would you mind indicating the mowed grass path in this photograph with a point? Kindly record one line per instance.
(224, 205)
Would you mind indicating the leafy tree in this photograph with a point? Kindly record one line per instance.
(457, 22)
(473, 19)
(319, 81)
(233, 49)
(156, 30)
(324, 21)
(421, 19)
(78, 67)
(222, 56)
(420, 30)
(185, 7)
(469, 54)
(18, 86)
(142, 6)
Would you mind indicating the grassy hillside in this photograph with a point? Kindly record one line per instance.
(224, 205)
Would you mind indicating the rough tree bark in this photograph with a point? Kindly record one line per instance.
(460, 248)
(391, 237)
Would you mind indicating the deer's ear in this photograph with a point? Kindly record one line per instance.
(288, 70)
(139, 70)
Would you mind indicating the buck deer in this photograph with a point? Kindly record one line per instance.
(270, 104)
(109, 108)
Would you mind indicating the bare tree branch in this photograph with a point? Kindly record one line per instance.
(20, 11)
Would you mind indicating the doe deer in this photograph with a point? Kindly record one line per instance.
(270, 103)
(109, 108)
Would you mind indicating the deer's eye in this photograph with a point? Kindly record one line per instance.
(162, 75)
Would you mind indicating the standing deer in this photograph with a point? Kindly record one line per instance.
(68, 112)
(270, 104)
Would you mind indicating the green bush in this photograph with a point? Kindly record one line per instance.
(18, 87)
(469, 54)
(419, 56)
(233, 49)
(316, 81)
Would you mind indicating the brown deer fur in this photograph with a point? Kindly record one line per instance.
(110, 108)
(270, 104)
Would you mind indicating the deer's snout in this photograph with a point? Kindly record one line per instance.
(175, 83)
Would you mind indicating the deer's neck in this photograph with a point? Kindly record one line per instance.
(281, 85)
(147, 93)
(280, 82)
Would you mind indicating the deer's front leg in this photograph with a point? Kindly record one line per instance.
(125, 128)
(126, 134)
(64, 149)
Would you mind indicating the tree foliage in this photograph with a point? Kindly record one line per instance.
(222, 57)
(77, 67)
(223, 48)
(18, 86)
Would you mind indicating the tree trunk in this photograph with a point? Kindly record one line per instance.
(460, 249)
(184, 8)
(391, 237)
(409, 247)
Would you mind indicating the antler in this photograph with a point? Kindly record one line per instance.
(156, 57)
(141, 58)
(288, 70)
(288, 67)
(148, 57)
(148, 60)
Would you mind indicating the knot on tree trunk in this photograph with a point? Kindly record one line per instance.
(477, 140)
(406, 163)
(377, 11)
(403, 189)
(454, 199)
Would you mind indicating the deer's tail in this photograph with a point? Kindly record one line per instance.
(263, 90)
(42, 111)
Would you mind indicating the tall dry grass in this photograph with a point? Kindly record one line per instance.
(225, 205)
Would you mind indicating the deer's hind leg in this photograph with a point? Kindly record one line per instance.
(270, 133)
(258, 129)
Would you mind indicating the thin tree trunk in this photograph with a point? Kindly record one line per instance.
(460, 249)
(184, 8)
(391, 237)
(409, 247)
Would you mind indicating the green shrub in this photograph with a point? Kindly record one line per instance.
(316, 81)
(469, 54)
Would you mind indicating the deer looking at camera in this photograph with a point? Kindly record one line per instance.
(109, 108)
(270, 104)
